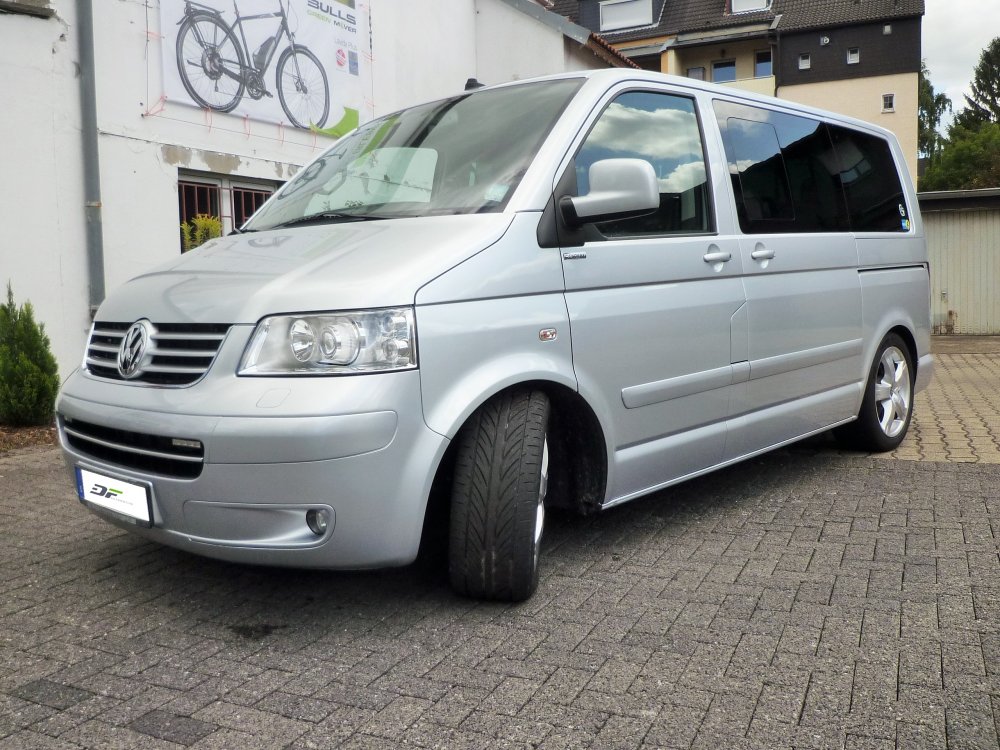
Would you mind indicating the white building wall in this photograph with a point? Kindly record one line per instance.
(41, 195)
(511, 45)
(421, 49)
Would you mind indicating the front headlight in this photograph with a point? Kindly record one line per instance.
(341, 343)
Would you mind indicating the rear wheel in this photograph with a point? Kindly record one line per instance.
(887, 407)
(210, 62)
(498, 497)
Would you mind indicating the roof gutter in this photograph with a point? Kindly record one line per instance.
(91, 159)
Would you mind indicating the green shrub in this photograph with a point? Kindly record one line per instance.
(199, 230)
(29, 378)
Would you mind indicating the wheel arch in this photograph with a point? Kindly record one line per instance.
(578, 455)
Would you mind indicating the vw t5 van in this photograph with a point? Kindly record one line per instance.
(565, 292)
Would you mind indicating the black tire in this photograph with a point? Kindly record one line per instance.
(887, 407)
(211, 62)
(497, 501)
(303, 89)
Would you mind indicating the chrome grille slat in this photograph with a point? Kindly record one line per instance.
(178, 354)
(130, 448)
(97, 347)
(183, 353)
(139, 451)
(174, 369)
(190, 336)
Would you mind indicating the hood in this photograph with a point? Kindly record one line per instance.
(346, 266)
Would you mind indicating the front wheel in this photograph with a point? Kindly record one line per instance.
(210, 62)
(303, 88)
(498, 497)
(888, 402)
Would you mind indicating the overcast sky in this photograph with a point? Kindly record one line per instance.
(955, 33)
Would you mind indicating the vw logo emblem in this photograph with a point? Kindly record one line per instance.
(132, 351)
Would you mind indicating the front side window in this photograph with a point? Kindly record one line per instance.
(853, 56)
(805, 61)
(697, 73)
(456, 156)
(663, 130)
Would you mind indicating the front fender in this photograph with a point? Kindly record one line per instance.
(471, 350)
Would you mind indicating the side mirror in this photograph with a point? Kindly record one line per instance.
(619, 189)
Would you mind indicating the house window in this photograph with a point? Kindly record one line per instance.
(888, 102)
(697, 73)
(805, 61)
(887, 29)
(624, 14)
(723, 71)
(230, 200)
(853, 55)
(748, 6)
(762, 64)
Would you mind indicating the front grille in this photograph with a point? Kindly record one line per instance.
(178, 353)
(155, 454)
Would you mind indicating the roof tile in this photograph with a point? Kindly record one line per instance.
(681, 16)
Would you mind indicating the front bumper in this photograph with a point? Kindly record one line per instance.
(364, 457)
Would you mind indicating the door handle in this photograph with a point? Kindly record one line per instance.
(762, 254)
(717, 257)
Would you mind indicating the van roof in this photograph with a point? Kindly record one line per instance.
(607, 77)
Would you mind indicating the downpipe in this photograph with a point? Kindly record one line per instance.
(91, 157)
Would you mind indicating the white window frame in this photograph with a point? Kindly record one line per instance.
(644, 7)
(225, 184)
(853, 55)
(770, 54)
(805, 61)
(889, 99)
(727, 61)
(749, 6)
(886, 29)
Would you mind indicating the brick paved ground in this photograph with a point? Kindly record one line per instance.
(807, 599)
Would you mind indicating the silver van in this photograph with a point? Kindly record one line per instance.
(567, 292)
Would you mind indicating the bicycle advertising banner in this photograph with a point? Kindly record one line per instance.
(303, 63)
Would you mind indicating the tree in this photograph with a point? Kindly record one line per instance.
(931, 107)
(970, 160)
(29, 378)
(984, 104)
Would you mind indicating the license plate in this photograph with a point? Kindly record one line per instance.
(117, 495)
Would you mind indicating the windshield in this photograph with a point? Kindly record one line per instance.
(456, 156)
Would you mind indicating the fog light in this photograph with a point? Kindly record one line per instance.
(316, 521)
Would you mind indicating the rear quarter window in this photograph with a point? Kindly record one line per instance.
(871, 183)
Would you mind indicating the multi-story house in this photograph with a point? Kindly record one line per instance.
(857, 57)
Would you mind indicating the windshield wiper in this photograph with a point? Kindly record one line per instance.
(328, 216)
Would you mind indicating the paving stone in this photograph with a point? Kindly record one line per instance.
(182, 730)
(51, 694)
(810, 598)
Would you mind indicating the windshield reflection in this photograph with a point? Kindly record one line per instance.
(456, 156)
